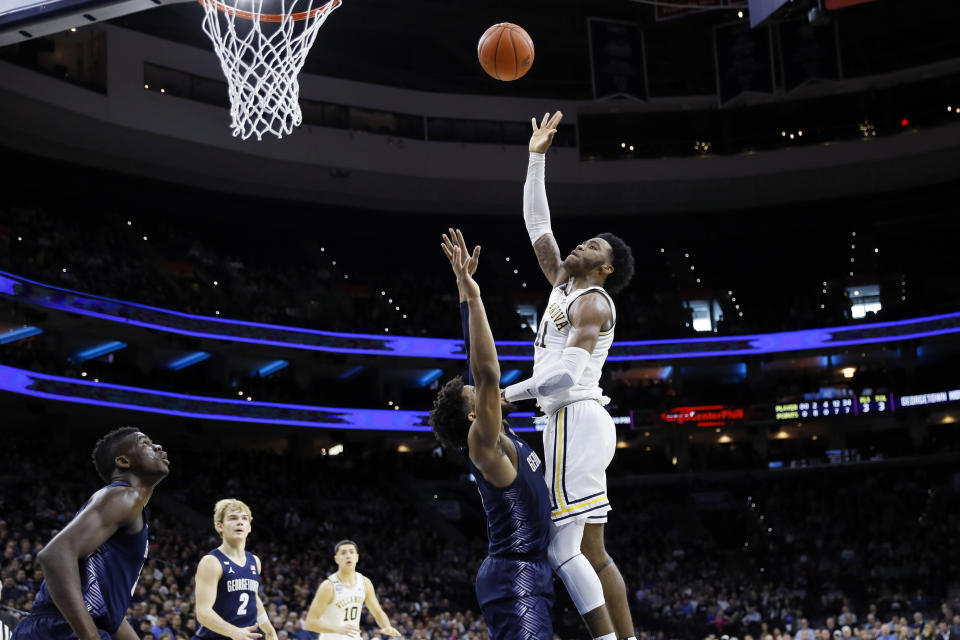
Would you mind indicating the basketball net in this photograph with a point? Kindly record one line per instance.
(261, 55)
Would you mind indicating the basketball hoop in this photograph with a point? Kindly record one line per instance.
(261, 54)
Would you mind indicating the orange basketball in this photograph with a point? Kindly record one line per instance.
(505, 51)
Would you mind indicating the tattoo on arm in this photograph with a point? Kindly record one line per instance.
(548, 255)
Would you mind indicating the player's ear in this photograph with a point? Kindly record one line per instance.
(122, 462)
(606, 269)
(472, 416)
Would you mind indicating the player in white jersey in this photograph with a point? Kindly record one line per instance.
(336, 607)
(571, 346)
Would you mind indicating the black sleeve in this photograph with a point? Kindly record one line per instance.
(465, 324)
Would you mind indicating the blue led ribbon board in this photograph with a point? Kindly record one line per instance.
(88, 392)
(208, 327)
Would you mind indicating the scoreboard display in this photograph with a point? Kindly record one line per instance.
(835, 407)
(864, 403)
(875, 403)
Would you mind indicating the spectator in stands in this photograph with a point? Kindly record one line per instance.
(804, 632)
(886, 633)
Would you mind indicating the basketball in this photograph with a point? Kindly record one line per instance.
(505, 51)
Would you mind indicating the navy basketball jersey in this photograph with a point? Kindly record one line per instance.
(518, 516)
(236, 593)
(108, 577)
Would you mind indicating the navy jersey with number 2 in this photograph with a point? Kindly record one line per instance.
(236, 593)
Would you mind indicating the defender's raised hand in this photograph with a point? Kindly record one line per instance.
(543, 135)
(453, 241)
(469, 289)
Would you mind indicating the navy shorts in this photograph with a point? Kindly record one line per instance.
(523, 618)
(516, 596)
(47, 628)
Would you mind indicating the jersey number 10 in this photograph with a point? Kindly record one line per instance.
(351, 613)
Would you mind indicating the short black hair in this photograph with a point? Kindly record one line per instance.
(449, 415)
(337, 546)
(622, 261)
(105, 452)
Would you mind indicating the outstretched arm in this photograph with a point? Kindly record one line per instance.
(536, 210)
(483, 439)
(455, 239)
(107, 512)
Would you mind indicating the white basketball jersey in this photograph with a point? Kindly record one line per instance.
(552, 339)
(346, 607)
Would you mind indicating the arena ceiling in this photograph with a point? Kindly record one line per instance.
(431, 44)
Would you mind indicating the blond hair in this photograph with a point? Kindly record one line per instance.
(220, 509)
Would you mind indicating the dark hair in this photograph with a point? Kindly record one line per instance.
(622, 260)
(449, 415)
(105, 451)
(337, 546)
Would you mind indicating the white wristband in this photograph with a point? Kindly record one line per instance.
(263, 618)
(536, 210)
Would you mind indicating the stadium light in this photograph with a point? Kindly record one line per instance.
(271, 368)
(98, 351)
(19, 334)
(188, 360)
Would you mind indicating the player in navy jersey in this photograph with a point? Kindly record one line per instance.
(515, 582)
(91, 567)
(228, 581)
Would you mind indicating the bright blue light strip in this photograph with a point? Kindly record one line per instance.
(99, 351)
(19, 334)
(273, 367)
(153, 401)
(189, 360)
(408, 346)
(510, 376)
(429, 377)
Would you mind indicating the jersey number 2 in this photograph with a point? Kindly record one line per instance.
(244, 600)
(351, 613)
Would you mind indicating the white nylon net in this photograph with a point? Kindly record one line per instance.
(261, 54)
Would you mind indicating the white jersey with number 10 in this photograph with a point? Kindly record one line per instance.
(346, 607)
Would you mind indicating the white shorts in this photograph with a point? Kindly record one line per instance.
(578, 445)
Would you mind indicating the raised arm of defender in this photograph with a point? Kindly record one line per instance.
(536, 210)
(483, 440)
